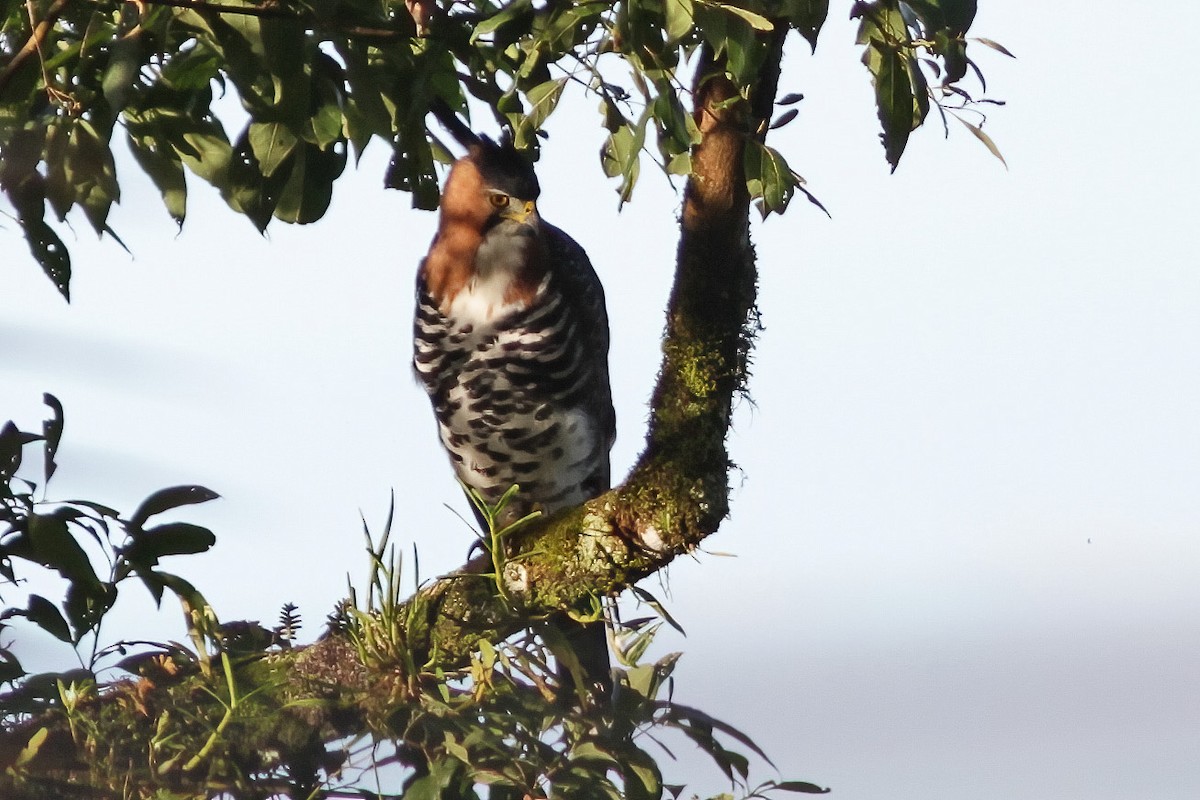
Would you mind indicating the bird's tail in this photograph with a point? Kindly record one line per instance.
(584, 668)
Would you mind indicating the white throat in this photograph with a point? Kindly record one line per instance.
(501, 255)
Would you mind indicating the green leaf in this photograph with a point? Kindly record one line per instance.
(169, 539)
(649, 599)
(801, 787)
(90, 169)
(193, 68)
(442, 773)
(121, 74)
(642, 776)
(54, 547)
(621, 155)
(45, 615)
(679, 17)
(512, 11)
(52, 430)
(807, 17)
(87, 605)
(412, 170)
(592, 753)
(12, 443)
(677, 131)
(188, 595)
(757, 21)
(955, 16)
(50, 253)
(736, 38)
(543, 99)
(272, 143)
(167, 499)
(327, 123)
(309, 189)
(162, 164)
(769, 179)
(60, 193)
(31, 748)
(246, 189)
(900, 96)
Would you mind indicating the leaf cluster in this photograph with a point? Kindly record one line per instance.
(91, 547)
(266, 100)
(916, 52)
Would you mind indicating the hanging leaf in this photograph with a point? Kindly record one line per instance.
(994, 45)
(769, 179)
(784, 118)
(542, 98)
(621, 155)
(162, 164)
(900, 95)
(983, 137)
(807, 17)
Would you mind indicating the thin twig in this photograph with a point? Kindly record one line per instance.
(34, 44)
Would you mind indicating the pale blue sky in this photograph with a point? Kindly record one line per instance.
(966, 523)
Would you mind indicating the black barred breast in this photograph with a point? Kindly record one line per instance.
(520, 387)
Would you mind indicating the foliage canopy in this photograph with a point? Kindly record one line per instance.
(317, 80)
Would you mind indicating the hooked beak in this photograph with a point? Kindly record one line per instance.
(524, 213)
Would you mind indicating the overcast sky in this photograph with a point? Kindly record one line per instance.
(965, 525)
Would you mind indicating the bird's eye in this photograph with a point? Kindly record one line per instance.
(498, 200)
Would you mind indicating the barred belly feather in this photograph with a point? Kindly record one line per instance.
(520, 387)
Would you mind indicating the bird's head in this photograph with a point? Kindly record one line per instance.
(489, 224)
(492, 185)
(509, 183)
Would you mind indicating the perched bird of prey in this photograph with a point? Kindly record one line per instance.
(511, 343)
